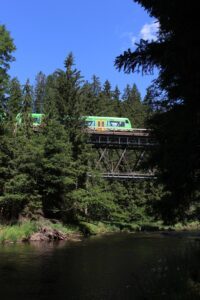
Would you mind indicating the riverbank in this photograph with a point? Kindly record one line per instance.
(46, 230)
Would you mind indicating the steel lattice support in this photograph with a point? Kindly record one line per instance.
(119, 156)
(115, 160)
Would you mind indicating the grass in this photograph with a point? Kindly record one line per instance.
(67, 229)
(19, 232)
(22, 232)
(193, 225)
(97, 228)
(151, 226)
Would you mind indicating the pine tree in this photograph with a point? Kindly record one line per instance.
(25, 115)
(177, 58)
(21, 187)
(133, 107)
(105, 103)
(6, 48)
(107, 89)
(117, 103)
(14, 102)
(39, 92)
(91, 95)
(57, 178)
(96, 86)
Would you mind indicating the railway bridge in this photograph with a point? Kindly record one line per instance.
(122, 154)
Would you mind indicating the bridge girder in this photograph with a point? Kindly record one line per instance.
(121, 156)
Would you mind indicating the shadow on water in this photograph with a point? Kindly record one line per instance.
(119, 266)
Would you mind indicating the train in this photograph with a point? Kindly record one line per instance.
(107, 123)
(95, 123)
(37, 119)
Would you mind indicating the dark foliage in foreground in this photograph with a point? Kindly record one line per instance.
(176, 95)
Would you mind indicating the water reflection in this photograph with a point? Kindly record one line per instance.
(120, 266)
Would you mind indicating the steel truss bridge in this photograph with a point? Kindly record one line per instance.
(121, 155)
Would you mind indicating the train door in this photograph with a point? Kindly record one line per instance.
(100, 125)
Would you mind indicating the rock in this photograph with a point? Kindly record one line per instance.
(48, 234)
(38, 237)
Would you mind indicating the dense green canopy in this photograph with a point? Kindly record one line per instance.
(46, 172)
(176, 91)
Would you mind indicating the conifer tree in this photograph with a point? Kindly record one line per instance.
(57, 179)
(68, 85)
(21, 189)
(25, 115)
(107, 89)
(176, 55)
(117, 103)
(149, 99)
(92, 96)
(39, 92)
(14, 102)
(105, 100)
(95, 85)
(6, 48)
(133, 107)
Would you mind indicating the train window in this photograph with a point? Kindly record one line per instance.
(36, 120)
(99, 123)
(89, 123)
(116, 124)
(127, 121)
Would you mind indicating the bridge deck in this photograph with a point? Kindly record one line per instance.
(133, 176)
(132, 139)
(133, 132)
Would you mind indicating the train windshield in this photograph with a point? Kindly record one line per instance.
(116, 123)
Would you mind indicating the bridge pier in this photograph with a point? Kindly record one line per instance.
(121, 155)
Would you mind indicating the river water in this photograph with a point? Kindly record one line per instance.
(116, 266)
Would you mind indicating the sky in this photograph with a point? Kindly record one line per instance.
(95, 31)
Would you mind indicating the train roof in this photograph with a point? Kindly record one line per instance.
(103, 117)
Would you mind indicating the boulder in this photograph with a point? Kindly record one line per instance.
(48, 234)
(38, 237)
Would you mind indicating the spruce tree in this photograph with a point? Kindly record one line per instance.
(27, 105)
(14, 102)
(176, 126)
(133, 107)
(117, 103)
(92, 97)
(57, 178)
(6, 48)
(21, 190)
(39, 92)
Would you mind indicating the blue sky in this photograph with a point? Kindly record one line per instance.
(96, 31)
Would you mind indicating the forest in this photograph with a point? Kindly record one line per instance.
(45, 173)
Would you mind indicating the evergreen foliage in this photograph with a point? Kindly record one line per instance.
(39, 92)
(6, 48)
(44, 171)
(14, 102)
(133, 107)
(176, 122)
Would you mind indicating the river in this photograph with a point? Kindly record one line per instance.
(115, 266)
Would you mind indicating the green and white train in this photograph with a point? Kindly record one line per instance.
(108, 123)
(96, 123)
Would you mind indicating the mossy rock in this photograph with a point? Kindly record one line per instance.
(88, 228)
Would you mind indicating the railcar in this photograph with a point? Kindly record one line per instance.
(37, 119)
(96, 123)
(108, 123)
